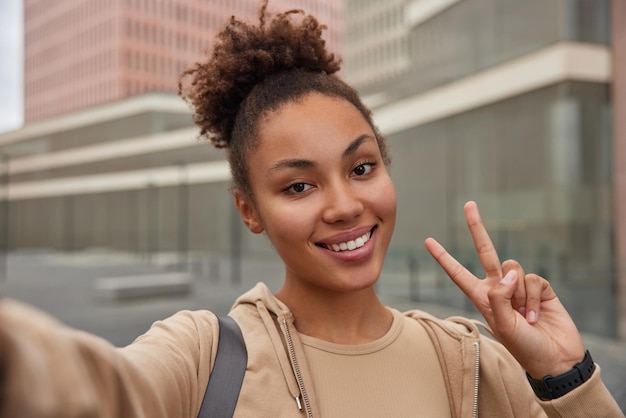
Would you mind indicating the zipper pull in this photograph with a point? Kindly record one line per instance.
(298, 402)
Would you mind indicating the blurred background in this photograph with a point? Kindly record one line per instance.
(113, 214)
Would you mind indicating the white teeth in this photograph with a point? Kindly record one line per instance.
(350, 245)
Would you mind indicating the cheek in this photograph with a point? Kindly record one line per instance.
(385, 202)
(284, 221)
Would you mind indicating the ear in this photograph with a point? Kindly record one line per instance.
(248, 213)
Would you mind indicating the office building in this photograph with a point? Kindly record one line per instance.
(514, 105)
(108, 156)
(83, 53)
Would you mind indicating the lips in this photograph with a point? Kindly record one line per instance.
(350, 244)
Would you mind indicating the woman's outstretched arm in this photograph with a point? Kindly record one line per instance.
(50, 370)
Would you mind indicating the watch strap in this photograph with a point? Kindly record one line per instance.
(553, 387)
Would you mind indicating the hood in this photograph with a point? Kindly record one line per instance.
(263, 295)
(278, 322)
(457, 342)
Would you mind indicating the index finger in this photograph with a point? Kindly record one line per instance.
(484, 247)
(462, 277)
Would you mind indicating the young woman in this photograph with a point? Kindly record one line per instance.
(309, 170)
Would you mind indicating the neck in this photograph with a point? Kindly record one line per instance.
(354, 317)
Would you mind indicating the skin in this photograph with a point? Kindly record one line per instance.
(318, 178)
(522, 309)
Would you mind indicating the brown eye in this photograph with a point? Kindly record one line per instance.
(298, 187)
(363, 169)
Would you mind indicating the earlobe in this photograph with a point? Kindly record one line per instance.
(248, 214)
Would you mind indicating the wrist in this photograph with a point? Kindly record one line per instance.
(553, 387)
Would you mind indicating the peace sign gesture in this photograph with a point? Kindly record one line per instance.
(522, 309)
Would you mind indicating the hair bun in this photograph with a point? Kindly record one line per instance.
(245, 55)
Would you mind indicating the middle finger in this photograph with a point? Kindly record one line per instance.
(484, 247)
(519, 297)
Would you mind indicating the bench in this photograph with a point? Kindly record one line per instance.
(142, 286)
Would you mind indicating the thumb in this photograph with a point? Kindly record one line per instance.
(501, 301)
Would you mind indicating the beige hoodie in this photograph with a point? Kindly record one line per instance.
(49, 370)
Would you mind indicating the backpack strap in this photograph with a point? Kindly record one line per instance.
(226, 377)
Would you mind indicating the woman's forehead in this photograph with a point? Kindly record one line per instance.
(311, 115)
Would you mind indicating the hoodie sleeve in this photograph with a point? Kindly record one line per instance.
(50, 370)
(501, 375)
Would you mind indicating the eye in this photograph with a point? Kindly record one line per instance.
(363, 169)
(296, 188)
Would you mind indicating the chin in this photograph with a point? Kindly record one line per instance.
(362, 283)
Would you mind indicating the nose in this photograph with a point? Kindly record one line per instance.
(342, 204)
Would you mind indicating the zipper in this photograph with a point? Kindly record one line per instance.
(476, 378)
(296, 369)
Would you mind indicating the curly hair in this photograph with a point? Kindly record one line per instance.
(252, 71)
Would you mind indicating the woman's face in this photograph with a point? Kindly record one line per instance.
(322, 194)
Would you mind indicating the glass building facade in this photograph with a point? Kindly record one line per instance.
(505, 102)
(538, 160)
(539, 167)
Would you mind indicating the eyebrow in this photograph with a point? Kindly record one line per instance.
(302, 163)
(354, 145)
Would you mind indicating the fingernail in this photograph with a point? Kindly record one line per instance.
(508, 278)
(532, 316)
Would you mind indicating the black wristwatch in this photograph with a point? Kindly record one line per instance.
(554, 387)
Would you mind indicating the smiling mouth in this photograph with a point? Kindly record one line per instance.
(349, 245)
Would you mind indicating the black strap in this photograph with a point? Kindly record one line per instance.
(553, 387)
(226, 377)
